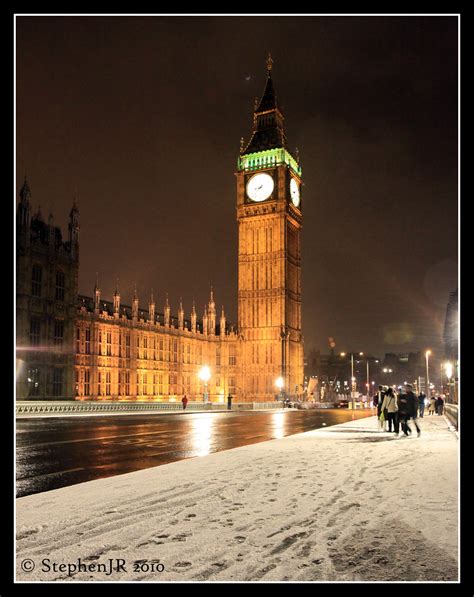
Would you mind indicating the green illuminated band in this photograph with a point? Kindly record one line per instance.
(267, 159)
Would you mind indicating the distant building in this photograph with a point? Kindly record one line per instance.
(335, 370)
(451, 339)
(401, 367)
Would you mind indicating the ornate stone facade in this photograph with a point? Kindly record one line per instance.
(124, 353)
(269, 216)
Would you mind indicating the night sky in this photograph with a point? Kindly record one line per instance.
(142, 118)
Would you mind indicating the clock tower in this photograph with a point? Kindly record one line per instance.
(269, 216)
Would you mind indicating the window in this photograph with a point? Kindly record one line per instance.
(145, 384)
(76, 382)
(127, 346)
(145, 347)
(78, 340)
(36, 275)
(87, 382)
(99, 384)
(127, 383)
(35, 332)
(58, 333)
(33, 382)
(120, 345)
(109, 343)
(60, 286)
(218, 356)
(161, 350)
(232, 359)
(107, 383)
(88, 341)
(175, 351)
(57, 382)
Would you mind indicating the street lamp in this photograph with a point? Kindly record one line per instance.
(279, 384)
(353, 379)
(448, 368)
(427, 355)
(204, 375)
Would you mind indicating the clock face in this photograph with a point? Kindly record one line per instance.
(294, 192)
(260, 187)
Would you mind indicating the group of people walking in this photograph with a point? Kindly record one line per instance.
(395, 409)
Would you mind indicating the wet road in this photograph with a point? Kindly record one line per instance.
(56, 452)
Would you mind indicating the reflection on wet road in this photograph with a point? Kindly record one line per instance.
(56, 452)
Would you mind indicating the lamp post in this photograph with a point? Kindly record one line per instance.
(205, 375)
(427, 356)
(368, 381)
(353, 379)
(280, 384)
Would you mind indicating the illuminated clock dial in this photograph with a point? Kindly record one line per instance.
(294, 192)
(260, 187)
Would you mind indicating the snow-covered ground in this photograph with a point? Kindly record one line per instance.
(345, 503)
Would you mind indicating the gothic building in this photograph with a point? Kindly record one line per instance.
(126, 353)
(47, 270)
(86, 348)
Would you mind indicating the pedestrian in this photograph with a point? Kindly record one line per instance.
(229, 402)
(378, 399)
(421, 400)
(432, 406)
(413, 404)
(390, 410)
(184, 400)
(439, 405)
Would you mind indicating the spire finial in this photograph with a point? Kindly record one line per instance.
(241, 144)
(269, 63)
(116, 286)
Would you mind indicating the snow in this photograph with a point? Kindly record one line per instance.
(343, 503)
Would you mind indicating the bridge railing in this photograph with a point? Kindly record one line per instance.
(451, 411)
(38, 407)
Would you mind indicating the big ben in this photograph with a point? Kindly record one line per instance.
(269, 216)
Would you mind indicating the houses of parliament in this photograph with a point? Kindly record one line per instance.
(70, 346)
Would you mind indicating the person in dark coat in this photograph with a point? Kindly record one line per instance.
(421, 400)
(229, 402)
(184, 400)
(378, 399)
(439, 405)
(408, 409)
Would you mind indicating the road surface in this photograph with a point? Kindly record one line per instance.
(60, 451)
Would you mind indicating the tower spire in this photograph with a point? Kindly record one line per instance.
(268, 128)
(269, 63)
(116, 300)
